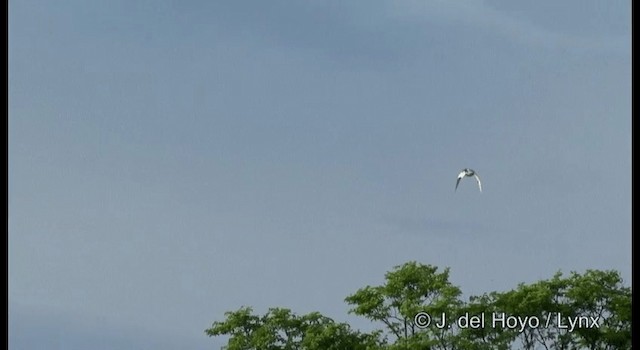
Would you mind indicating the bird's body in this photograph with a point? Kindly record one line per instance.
(468, 172)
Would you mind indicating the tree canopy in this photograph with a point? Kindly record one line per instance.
(419, 308)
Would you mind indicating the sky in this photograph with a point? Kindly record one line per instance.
(173, 160)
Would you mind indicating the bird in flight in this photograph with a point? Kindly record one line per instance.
(468, 172)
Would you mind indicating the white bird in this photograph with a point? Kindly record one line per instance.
(468, 172)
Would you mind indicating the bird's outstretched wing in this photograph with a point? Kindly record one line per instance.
(460, 176)
(479, 183)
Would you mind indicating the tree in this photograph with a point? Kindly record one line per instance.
(280, 329)
(241, 326)
(582, 311)
(600, 296)
(409, 289)
(485, 337)
(538, 302)
(591, 311)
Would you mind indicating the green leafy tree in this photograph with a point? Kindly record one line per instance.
(330, 335)
(600, 296)
(409, 289)
(484, 337)
(241, 326)
(280, 329)
(540, 301)
(597, 298)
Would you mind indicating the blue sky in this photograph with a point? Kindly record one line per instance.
(170, 161)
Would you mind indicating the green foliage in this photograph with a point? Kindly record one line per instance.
(240, 325)
(280, 329)
(485, 337)
(600, 294)
(409, 289)
(595, 296)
